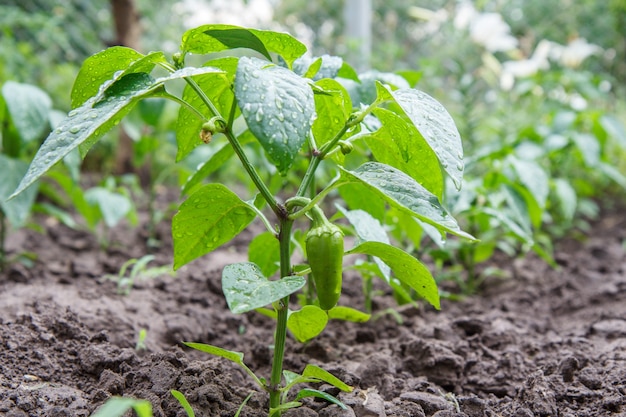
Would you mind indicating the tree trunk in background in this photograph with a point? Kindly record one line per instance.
(128, 33)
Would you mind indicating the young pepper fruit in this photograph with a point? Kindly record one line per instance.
(324, 248)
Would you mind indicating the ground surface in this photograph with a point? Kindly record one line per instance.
(543, 343)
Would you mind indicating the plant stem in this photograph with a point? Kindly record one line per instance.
(284, 238)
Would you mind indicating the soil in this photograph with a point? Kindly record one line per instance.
(544, 342)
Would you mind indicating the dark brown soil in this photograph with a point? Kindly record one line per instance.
(543, 343)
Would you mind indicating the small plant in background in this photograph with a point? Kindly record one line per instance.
(298, 122)
(25, 114)
(139, 269)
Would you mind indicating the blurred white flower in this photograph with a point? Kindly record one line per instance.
(575, 52)
(465, 13)
(434, 19)
(492, 32)
(526, 67)
(235, 12)
(486, 29)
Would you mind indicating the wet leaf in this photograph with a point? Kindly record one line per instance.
(405, 267)
(404, 193)
(398, 144)
(210, 217)
(333, 110)
(246, 288)
(307, 323)
(278, 107)
(435, 124)
(214, 38)
(105, 67)
(29, 108)
(86, 124)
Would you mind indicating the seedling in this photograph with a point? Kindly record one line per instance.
(139, 269)
(301, 114)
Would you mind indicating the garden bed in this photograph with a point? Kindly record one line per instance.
(544, 342)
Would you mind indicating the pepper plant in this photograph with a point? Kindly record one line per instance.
(298, 110)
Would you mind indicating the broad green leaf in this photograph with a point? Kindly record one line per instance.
(614, 128)
(214, 38)
(333, 110)
(183, 402)
(210, 217)
(348, 314)
(509, 224)
(307, 323)
(519, 207)
(325, 66)
(309, 392)
(437, 127)
(215, 162)
(87, 123)
(399, 144)
(106, 66)
(404, 193)
(613, 173)
(533, 177)
(246, 288)
(264, 251)
(314, 371)
(217, 88)
(368, 228)
(113, 206)
(567, 198)
(18, 209)
(29, 108)
(405, 267)
(236, 357)
(356, 196)
(278, 107)
(589, 148)
(365, 92)
(118, 406)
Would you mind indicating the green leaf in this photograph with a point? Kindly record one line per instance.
(264, 251)
(589, 148)
(533, 177)
(314, 371)
(614, 128)
(236, 357)
(18, 209)
(278, 107)
(309, 392)
(398, 144)
(113, 206)
(210, 217)
(437, 127)
(29, 108)
(356, 196)
(405, 267)
(307, 323)
(183, 402)
(217, 88)
(86, 124)
(404, 193)
(214, 38)
(333, 110)
(348, 314)
(567, 198)
(368, 228)
(108, 66)
(118, 406)
(246, 288)
(325, 66)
